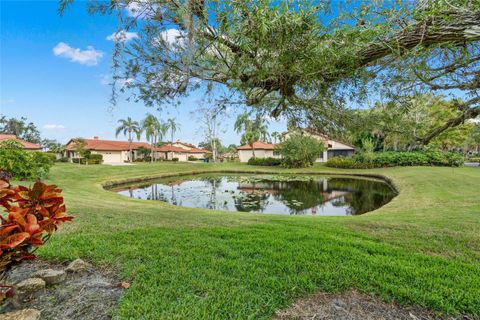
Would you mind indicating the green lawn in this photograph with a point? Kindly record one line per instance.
(422, 248)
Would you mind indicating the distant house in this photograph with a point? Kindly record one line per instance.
(332, 148)
(259, 148)
(112, 151)
(181, 150)
(26, 145)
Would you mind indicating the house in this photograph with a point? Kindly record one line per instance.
(180, 150)
(26, 145)
(112, 151)
(259, 149)
(332, 147)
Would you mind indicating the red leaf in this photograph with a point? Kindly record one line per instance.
(14, 240)
(32, 226)
(7, 229)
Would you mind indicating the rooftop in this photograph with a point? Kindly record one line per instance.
(108, 145)
(27, 145)
(258, 145)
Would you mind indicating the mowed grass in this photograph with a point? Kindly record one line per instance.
(423, 248)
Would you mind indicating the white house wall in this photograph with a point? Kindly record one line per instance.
(245, 155)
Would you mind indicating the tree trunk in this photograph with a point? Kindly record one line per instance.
(151, 150)
(130, 145)
(214, 150)
(469, 114)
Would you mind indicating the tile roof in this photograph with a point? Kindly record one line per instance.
(170, 148)
(27, 145)
(108, 145)
(258, 145)
(186, 144)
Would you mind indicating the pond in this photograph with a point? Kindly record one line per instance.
(281, 194)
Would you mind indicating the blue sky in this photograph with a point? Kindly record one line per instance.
(54, 69)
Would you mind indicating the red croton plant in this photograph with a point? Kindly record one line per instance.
(30, 217)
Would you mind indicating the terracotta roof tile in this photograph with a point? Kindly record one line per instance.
(27, 145)
(108, 145)
(258, 145)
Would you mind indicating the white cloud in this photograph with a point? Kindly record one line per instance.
(140, 9)
(173, 38)
(89, 56)
(122, 36)
(53, 127)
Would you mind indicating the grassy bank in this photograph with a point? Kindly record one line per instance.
(422, 248)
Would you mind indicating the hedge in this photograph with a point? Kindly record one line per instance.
(264, 161)
(393, 159)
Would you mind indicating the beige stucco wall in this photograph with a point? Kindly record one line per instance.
(244, 155)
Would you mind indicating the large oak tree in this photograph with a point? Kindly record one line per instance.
(302, 59)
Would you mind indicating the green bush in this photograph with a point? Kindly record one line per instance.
(192, 158)
(264, 161)
(25, 165)
(341, 162)
(51, 155)
(95, 159)
(394, 158)
(63, 159)
(299, 151)
(474, 159)
(174, 159)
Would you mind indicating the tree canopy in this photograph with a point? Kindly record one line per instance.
(21, 128)
(301, 59)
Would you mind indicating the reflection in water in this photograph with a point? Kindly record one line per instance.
(306, 195)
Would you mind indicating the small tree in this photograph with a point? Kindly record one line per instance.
(299, 151)
(80, 147)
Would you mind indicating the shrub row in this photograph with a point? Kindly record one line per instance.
(264, 161)
(393, 159)
(89, 159)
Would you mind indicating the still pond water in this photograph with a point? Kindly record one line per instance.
(281, 194)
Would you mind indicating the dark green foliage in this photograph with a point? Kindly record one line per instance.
(63, 159)
(174, 159)
(95, 159)
(393, 159)
(299, 151)
(192, 158)
(143, 152)
(264, 161)
(377, 139)
(51, 155)
(25, 165)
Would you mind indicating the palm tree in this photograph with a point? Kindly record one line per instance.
(173, 126)
(161, 131)
(129, 126)
(275, 135)
(253, 130)
(151, 126)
